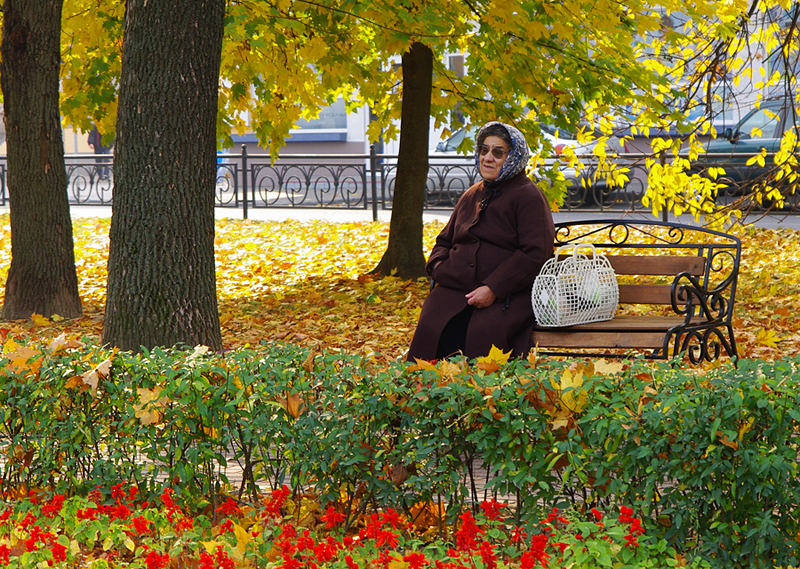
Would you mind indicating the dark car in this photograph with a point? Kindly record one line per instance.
(760, 130)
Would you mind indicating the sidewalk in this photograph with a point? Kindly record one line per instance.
(773, 221)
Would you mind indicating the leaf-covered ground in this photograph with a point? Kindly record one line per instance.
(305, 283)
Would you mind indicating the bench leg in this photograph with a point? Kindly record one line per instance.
(705, 344)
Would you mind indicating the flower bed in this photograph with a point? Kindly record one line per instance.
(119, 529)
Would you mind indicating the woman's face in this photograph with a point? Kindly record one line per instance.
(489, 163)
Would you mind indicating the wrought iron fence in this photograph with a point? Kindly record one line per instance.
(247, 181)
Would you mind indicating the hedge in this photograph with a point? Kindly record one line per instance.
(708, 457)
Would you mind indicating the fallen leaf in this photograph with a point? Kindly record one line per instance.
(94, 375)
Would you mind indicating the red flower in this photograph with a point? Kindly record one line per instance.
(528, 560)
(518, 536)
(350, 563)
(383, 559)
(273, 505)
(59, 552)
(488, 556)
(140, 525)
(226, 527)
(466, 534)
(220, 560)
(53, 507)
(206, 561)
(95, 496)
(391, 517)
(491, 509)
(332, 518)
(169, 503)
(184, 523)
(537, 550)
(415, 560)
(290, 562)
(305, 541)
(118, 493)
(229, 508)
(87, 514)
(325, 552)
(551, 517)
(386, 538)
(636, 529)
(598, 515)
(120, 511)
(5, 554)
(156, 561)
(26, 521)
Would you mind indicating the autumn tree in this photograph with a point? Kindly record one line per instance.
(161, 283)
(41, 278)
(402, 256)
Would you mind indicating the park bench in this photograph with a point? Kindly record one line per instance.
(676, 292)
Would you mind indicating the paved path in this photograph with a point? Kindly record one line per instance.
(775, 221)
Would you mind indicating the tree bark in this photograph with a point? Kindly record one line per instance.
(161, 270)
(403, 256)
(41, 278)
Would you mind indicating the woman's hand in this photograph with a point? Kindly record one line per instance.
(481, 297)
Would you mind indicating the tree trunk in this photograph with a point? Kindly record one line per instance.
(41, 278)
(161, 279)
(404, 257)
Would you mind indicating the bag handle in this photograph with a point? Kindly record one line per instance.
(575, 247)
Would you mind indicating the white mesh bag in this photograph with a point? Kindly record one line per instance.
(579, 289)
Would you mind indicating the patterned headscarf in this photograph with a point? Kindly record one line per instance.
(517, 158)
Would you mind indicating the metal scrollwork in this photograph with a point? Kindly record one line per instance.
(705, 344)
(686, 298)
(227, 185)
(90, 184)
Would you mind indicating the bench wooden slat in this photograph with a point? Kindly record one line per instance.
(633, 322)
(624, 331)
(655, 265)
(644, 294)
(584, 339)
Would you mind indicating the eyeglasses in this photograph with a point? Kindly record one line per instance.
(496, 151)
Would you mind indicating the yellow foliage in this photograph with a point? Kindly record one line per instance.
(496, 356)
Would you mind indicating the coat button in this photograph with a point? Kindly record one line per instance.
(472, 264)
(474, 221)
(474, 240)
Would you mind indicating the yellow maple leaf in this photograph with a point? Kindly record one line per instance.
(449, 370)
(100, 371)
(496, 355)
(243, 537)
(768, 338)
(150, 403)
(9, 346)
(22, 359)
(605, 367)
(40, 320)
(422, 365)
(211, 546)
(570, 385)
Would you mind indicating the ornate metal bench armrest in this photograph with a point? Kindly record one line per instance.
(692, 297)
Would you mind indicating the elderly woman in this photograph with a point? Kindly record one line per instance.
(487, 256)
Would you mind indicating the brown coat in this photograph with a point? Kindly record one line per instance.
(503, 247)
